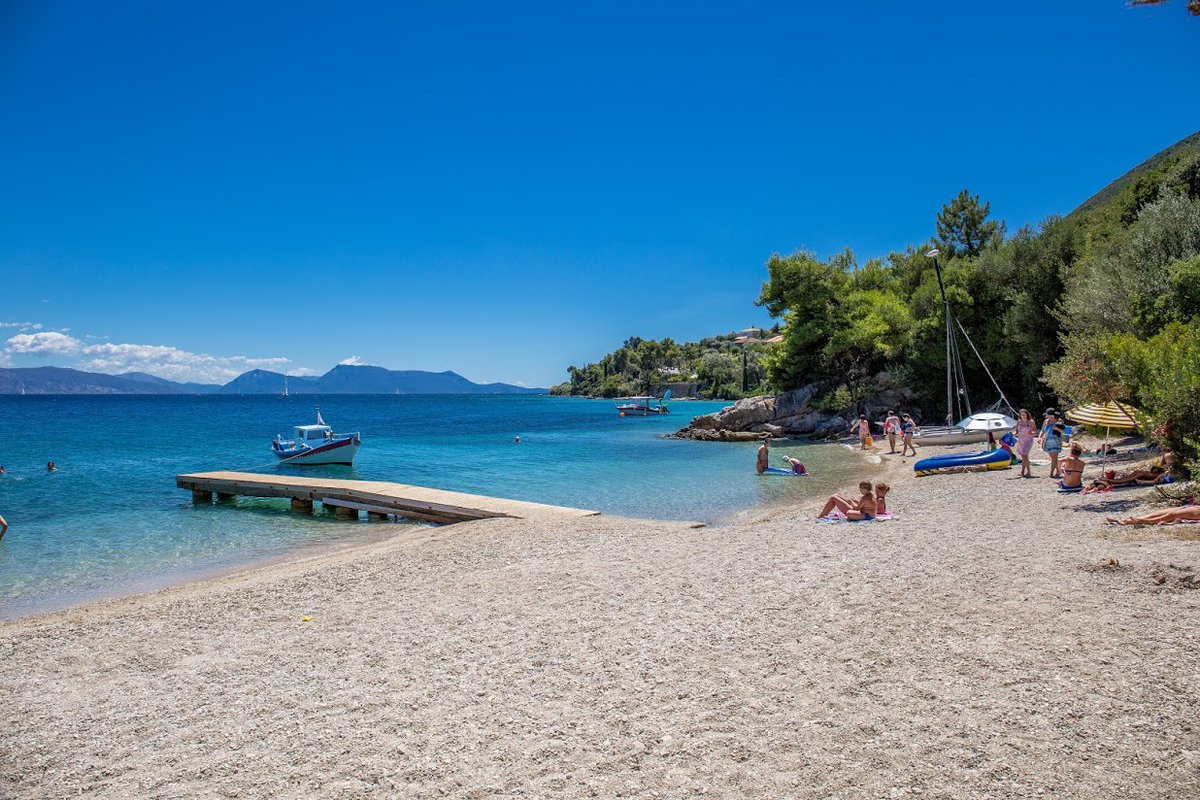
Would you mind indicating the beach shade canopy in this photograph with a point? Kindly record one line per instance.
(988, 422)
(1109, 415)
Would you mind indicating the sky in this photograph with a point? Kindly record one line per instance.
(505, 189)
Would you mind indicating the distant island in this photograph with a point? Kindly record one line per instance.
(342, 379)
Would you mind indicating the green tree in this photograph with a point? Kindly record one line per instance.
(807, 294)
(963, 226)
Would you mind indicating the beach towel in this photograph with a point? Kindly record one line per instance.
(838, 516)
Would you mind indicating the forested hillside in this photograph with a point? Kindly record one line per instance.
(728, 366)
(1103, 304)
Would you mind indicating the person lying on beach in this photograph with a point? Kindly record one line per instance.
(795, 465)
(1071, 468)
(862, 508)
(1165, 517)
(1139, 477)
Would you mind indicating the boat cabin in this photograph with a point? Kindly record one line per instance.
(310, 433)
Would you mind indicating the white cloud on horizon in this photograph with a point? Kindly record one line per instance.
(352, 361)
(31, 326)
(160, 360)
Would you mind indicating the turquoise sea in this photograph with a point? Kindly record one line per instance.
(110, 521)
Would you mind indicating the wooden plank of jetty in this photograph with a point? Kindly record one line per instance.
(374, 497)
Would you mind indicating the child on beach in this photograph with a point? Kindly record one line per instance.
(863, 508)
(881, 491)
(1025, 435)
(906, 429)
(864, 431)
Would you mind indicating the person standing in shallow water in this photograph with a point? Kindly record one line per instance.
(764, 455)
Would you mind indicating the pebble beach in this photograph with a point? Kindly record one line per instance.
(994, 639)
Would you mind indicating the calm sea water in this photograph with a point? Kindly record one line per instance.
(111, 520)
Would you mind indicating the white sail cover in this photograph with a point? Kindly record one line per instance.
(988, 421)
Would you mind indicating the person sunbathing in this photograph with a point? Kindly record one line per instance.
(1165, 517)
(1139, 477)
(864, 507)
(1072, 470)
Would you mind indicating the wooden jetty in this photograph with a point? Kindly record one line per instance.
(379, 499)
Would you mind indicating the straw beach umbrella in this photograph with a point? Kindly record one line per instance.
(1111, 415)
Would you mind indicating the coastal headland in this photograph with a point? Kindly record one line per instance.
(995, 639)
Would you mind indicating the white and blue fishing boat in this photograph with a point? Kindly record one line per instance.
(643, 406)
(317, 444)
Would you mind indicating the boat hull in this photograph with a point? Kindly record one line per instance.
(934, 437)
(962, 462)
(641, 412)
(339, 451)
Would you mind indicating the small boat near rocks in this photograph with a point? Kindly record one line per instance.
(643, 406)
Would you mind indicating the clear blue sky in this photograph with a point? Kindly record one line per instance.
(503, 189)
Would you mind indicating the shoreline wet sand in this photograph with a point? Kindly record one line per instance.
(996, 639)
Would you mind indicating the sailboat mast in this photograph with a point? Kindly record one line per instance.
(949, 339)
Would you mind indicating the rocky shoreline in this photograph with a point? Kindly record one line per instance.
(790, 414)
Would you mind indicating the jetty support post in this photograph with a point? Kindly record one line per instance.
(345, 513)
(201, 496)
(302, 506)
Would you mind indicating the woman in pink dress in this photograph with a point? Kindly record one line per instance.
(1026, 433)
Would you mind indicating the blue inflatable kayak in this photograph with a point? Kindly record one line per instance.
(956, 462)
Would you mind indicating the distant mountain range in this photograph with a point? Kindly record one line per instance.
(342, 379)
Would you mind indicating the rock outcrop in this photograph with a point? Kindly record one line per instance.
(791, 414)
(786, 414)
